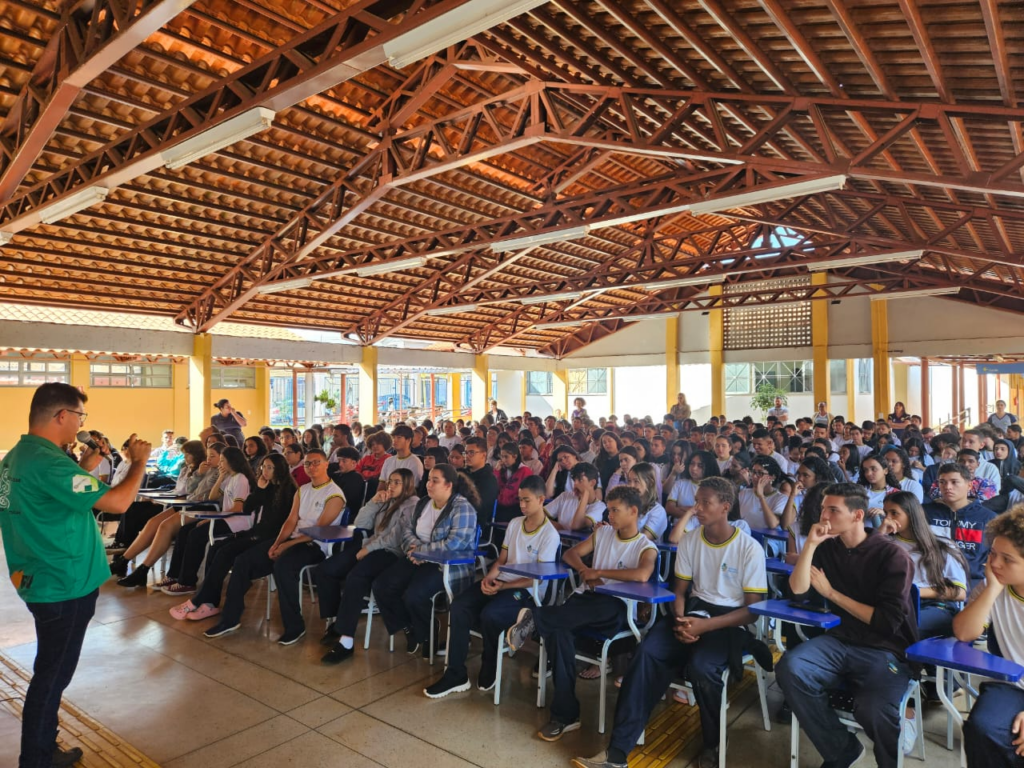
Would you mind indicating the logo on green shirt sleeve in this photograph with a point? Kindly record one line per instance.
(84, 484)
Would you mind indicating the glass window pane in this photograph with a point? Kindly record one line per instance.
(837, 376)
(597, 381)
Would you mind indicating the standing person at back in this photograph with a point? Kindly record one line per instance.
(401, 439)
(55, 553)
(229, 421)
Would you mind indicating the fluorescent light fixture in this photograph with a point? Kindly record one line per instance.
(636, 318)
(769, 194)
(683, 282)
(451, 28)
(227, 133)
(866, 261)
(453, 310)
(567, 296)
(72, 204)
(286, 285)
(5, 238)
(561, 324)
(947, 291)
(389, 266)
(545, 238)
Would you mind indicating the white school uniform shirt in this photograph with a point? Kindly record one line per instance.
(312, 500)
(722, 573)
(1007, 621)
(563, 507)
(234, 490)
(750, 507)
(724, 464)
(103, 469)
(693, 524)
(411, 462)
(914, 487)
(120, 473)
(535, 466)
(654, 520)
(428, 519)
(449, 442)
(613, 553)
(952, 569)
(522, 546)
(683, 493)
(863, 450)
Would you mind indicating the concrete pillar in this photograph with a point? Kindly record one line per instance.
(880, 355)
(481, 379)
(455, 394)
(261, 413)
(200, 392)
(716, 344)
(180, 395)
(560, 392)
(819, 341)
(926, 393)
(672, 387)
(368, 413)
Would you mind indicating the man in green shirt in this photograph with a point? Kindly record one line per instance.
(55, 552)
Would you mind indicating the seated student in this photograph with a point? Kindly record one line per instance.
(157, 535)
(620, 553)
(378, 444)
(457, 456)
(653, 520)
(956, 510)
(494, 603)
(627, 459)
(386, 516)
(444, 521)
(878, 482)
(944, 452)
(982, 488)
(900, 466)
(803, 505)
(319, 502)
(346, 477)
(683, 493)
(580, 508)
(866, 581)
(528, 455)
(431, 458)
(1004, 459)
(269, 503)
(762, 504)
(719, 572)
(564, 458)
(482, 476)
(940, 570)
(402, 438)
(994, 732)
(509, 474)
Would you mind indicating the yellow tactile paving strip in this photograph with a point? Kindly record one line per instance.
(671, 730)
(101, 747)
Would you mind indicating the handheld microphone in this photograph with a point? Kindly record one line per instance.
(86, 439)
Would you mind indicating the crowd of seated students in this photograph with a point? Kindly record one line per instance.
(870, 510)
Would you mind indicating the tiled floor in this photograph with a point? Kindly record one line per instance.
(243, 700)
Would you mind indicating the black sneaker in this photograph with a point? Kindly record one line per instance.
(555, 730)
(486, 681)
(291, 638)
(137, 578)
(330, 638)
(119, 566)
(65, 757)
(220, 630)
(338, 654)
(851, 755)
(449, 683)
(412, 645)
(520, 632)
(536, 669)
(708, 758)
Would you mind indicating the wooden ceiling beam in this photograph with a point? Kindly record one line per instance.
(914, 19)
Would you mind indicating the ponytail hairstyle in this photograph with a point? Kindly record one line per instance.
(934, 550)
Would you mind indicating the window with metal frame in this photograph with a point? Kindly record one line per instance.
(132, 375)
(233, 377)
(737, 379)
(837, 376)
(539, 383)
(588, 381)
(865, 376)
(32, 373)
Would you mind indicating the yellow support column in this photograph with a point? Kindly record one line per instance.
(180, 394)
(716, 344)
(261, 413)
(200, 393)
(880, 356)
(851, 391)
(80, 372)
(560, 392)
(671, 362)
(819, 342)
(479, 386)
(455, 394)
(368, 413)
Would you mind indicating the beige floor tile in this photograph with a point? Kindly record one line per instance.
(386, 744)
(310, 749)
(10, 738)
(370, 687)
(244, 745)
(319, 712)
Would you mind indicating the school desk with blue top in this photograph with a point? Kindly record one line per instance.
(782, 611)
(329, 534)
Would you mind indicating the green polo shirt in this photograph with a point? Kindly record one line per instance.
(53, 545)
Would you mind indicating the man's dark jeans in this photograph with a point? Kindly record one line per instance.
(60, 631)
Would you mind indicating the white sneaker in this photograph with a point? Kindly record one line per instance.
(909, 735)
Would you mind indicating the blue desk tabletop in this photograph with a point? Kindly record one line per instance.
(197, 507)
(769, 533)
(950, 653)
(445, 558)
(782, 610)
(774, 565)
(644, 592)
(576, 535)
(329, 533)
(538, 571)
